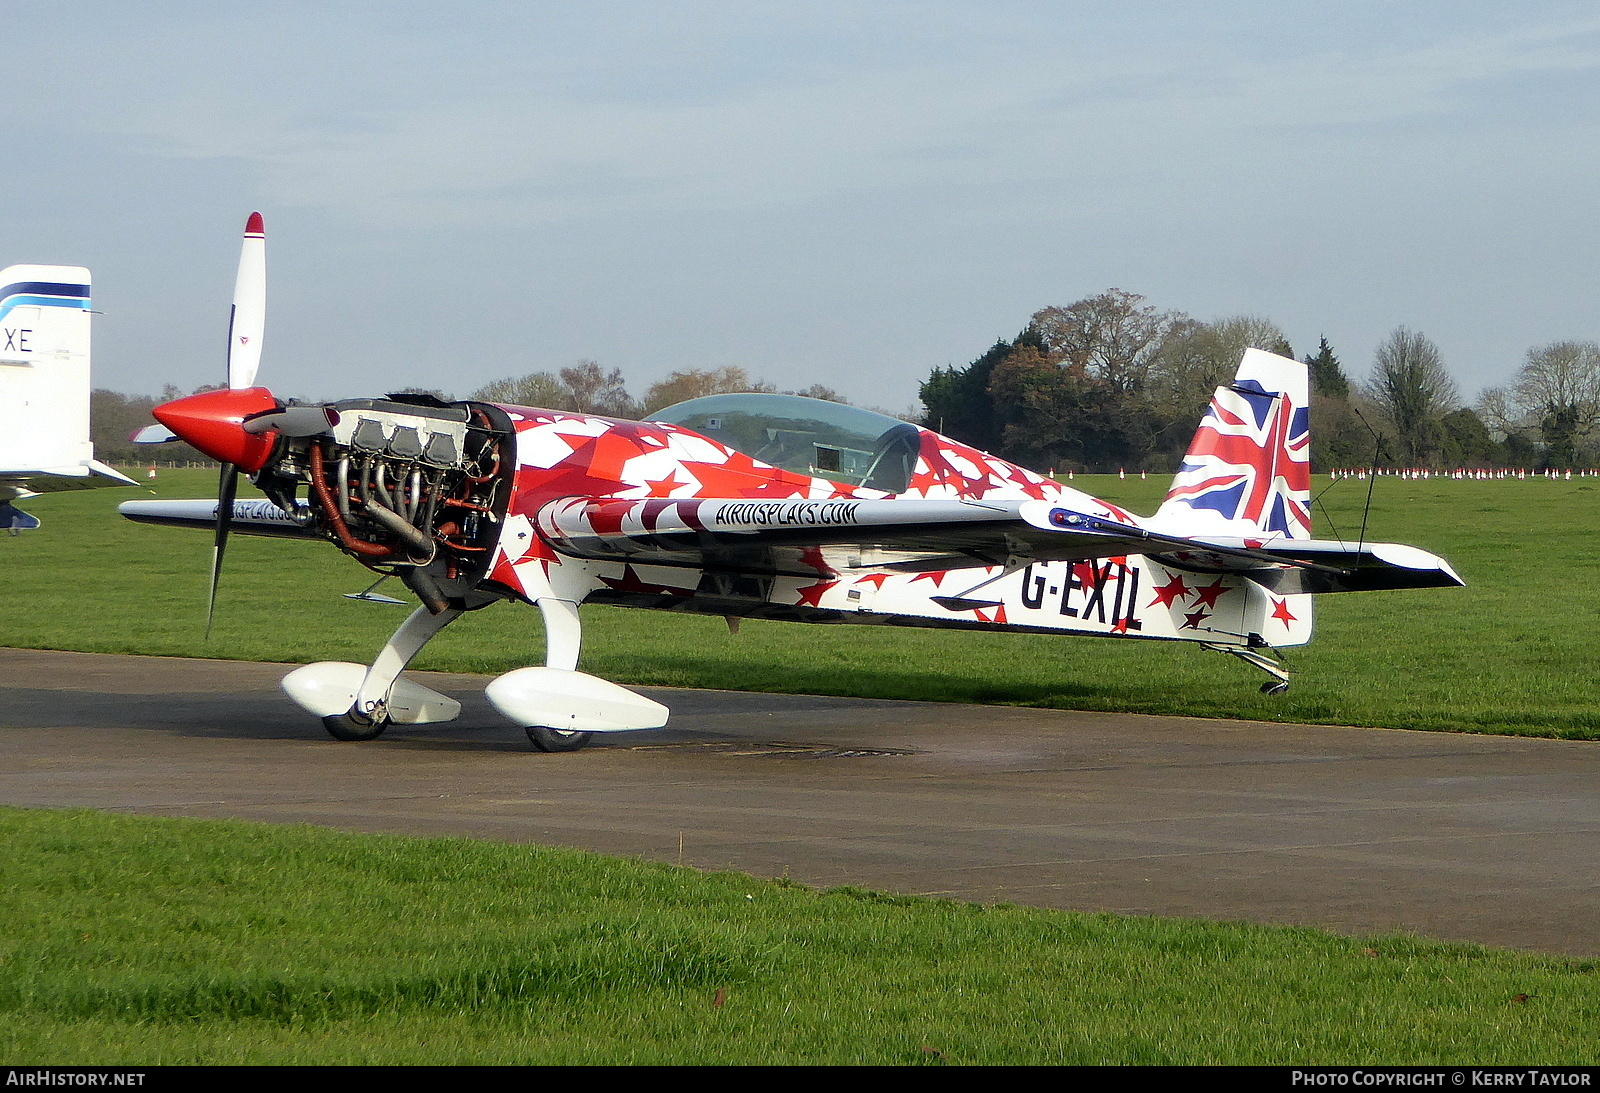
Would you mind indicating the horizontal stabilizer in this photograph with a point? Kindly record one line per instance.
(1285, 566)
(1321, 565)
(14, 519)
(88, 475)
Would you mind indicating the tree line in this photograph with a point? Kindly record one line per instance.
(585, 388)
(1110, 382)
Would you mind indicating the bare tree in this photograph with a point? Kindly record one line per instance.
(1186, 367)
(538, 389)
(822, 392)
(1498, 411)
(696, 383)
(1111, 337)
(599, 392)
(1195, 358)
(1559, 387)
(1241, 332)
(1413, 389)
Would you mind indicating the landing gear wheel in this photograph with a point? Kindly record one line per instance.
(353, 726)
(556, 739)
(1276, 687)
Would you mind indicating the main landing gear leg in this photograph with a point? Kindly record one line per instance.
(563, 637)
(372, 698)
(563, 633)
(357, 702)
(1272, 665)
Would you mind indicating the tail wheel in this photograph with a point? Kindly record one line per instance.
(556, 739)
(353, 726)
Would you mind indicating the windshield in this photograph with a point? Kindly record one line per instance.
(826, 439)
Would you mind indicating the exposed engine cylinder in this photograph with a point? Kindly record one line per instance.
(414, 488)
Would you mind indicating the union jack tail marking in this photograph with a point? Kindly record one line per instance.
(1248, 471)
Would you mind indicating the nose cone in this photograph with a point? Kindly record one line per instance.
(213, 421)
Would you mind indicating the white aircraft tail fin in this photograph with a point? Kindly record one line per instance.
(1248, 470)
(44, 367)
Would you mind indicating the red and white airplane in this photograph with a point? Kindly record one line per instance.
(755, 506)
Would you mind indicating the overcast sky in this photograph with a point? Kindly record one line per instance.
(840, 193)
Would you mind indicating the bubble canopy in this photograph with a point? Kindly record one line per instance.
(825, 439)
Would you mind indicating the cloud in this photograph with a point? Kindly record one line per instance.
(559, 148)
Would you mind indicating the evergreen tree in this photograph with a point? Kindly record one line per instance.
(958, 401)
(1466, 441)
(1327, 377)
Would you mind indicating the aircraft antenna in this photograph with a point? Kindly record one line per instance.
(1378, 450)
(1317, 501)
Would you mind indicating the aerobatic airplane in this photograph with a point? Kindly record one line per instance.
(755, 506)
(44, 389)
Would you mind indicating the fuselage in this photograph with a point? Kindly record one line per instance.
(657, 467)
(472, 502)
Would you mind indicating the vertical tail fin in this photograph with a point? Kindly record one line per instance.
(44, 366)
(1248, 471)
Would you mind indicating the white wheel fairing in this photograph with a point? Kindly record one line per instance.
(554, 698)
(328, 689)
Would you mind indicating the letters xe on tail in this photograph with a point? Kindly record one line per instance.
(44, 389)
(764, 506)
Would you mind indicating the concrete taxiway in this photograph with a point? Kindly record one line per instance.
(1471, 838)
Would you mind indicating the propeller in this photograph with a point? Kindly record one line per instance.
(246, 324)
(240, 425)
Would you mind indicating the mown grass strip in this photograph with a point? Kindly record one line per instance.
(142, 941)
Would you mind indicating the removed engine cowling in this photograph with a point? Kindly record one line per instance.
(412, 488)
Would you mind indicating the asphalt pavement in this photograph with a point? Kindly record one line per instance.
(1472, 838)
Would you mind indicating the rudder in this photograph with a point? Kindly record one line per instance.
(1248, 469)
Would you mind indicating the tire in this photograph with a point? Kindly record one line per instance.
(557, 739)
(1277, 687)
(352, 726)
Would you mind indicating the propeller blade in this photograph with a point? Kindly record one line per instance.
(246, 324)
(249, 318)
(227, 487)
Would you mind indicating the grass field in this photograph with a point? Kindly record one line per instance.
(140, 941)
(1511, 653)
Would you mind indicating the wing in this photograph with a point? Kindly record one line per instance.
(258, 517)
(87, 475)
(760, 536)
(16, 483)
